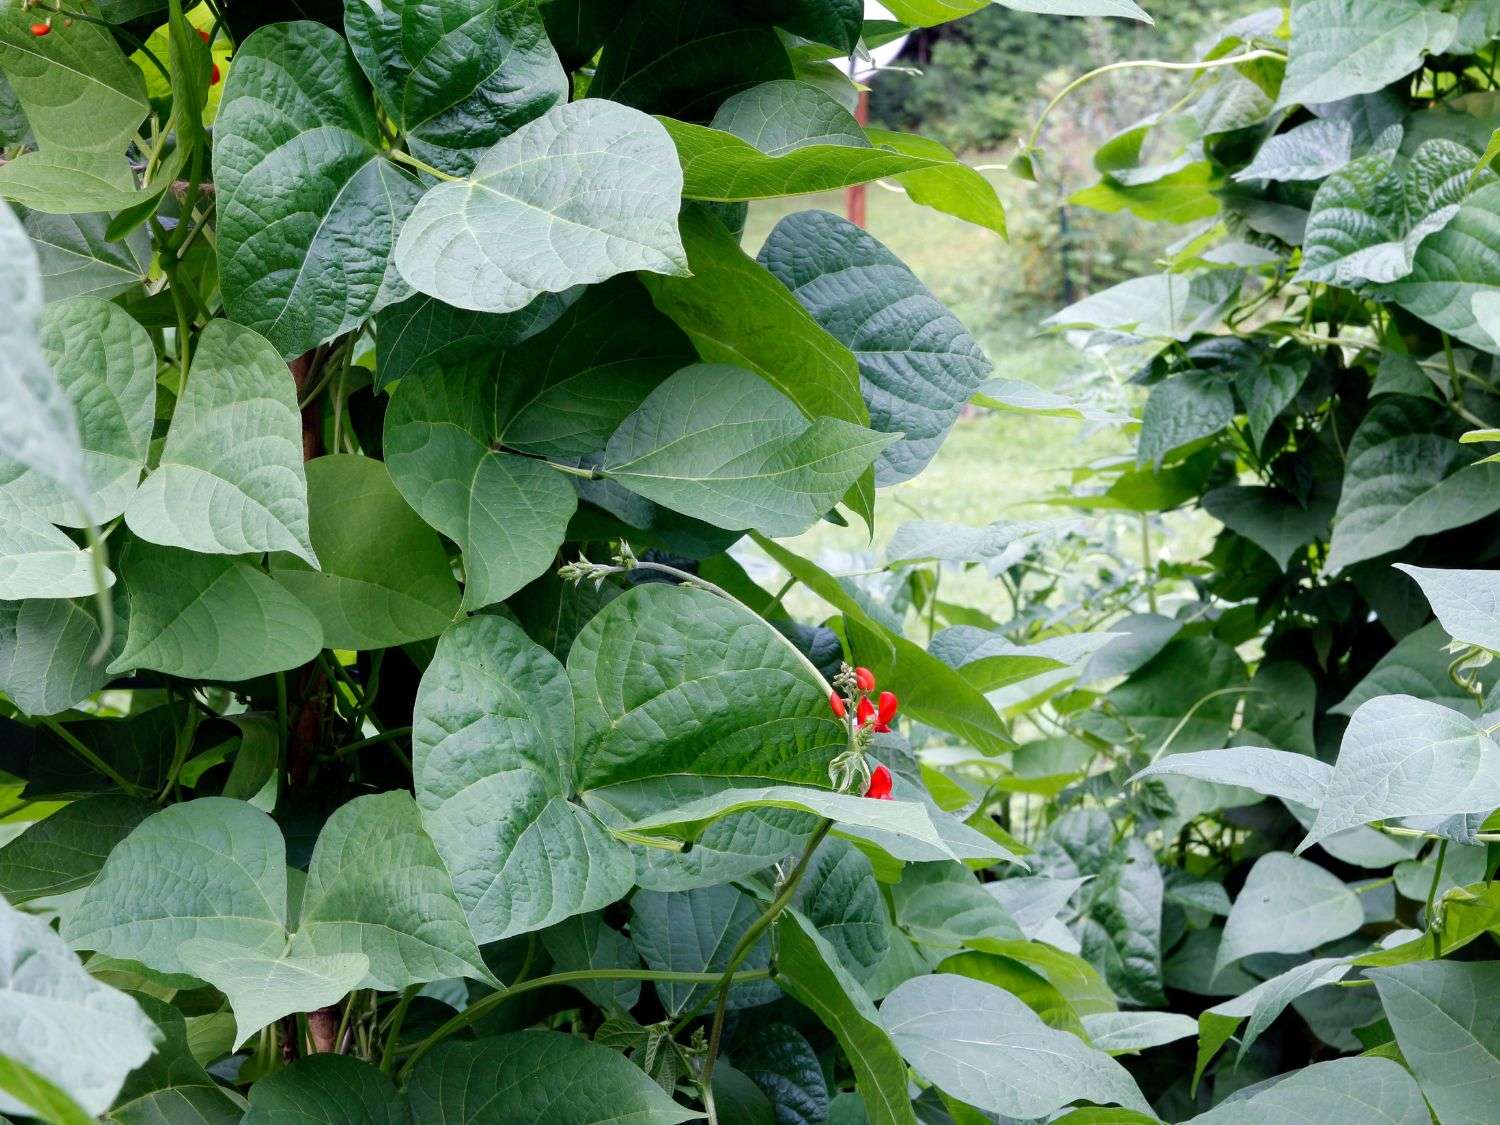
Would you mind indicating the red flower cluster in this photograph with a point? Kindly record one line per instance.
(876, 714)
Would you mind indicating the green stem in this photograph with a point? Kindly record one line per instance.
(99, 564)
(1437, 876)
(395, 734)
(741, 951)
(393, 1035)
(1141, 64)
(481, 1008)
(411, 161)
(93, 760)
(576, 471)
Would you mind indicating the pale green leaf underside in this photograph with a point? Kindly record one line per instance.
(589, 190)
(71, 1029)
(105, 364)
(985, 1047)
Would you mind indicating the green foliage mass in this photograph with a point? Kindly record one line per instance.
(401, 716)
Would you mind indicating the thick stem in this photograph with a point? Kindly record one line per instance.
(323, 1029)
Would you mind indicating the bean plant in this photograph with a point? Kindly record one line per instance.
(397, 717)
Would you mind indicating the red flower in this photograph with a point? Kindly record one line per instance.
(214, 81)
(864, 712)
(880, 784)
(836, 704)
(885, 711)
(865, 679)
(203, 35)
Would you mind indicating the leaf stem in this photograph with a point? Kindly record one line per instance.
(92, 759)
(393, 1035)
(1141, 64)
(712, 588)
(395, 734)
(403, 157)
(483, 1007)
(1437, 876)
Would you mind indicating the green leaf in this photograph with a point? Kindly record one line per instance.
(1181, 409)
(72, 1031)
(1120, 909)
(564, 391)
(422, 332)
(507, 513)
(456, 76)
(926, 13)
(38, 430)
(1360, 1089)
(173, 1084)
(1453, 266)
(324, 1088)
(308, 208)
(671, 680)
(1345, 47)
(840, 897)
(39, 561)
(1447, 1032)
(948, 185)
(562, 1076)
(31, 1093)
(997, 545)
(942, 905)
(1369, 219)
(1309, 151)
(918, 365)
(66, 850)
(213, 870)
(684, 58)
(262, 986)
(1406, 477)
(1467, 602)
(210, 617)
(592, 186)
(383, 577)
(1287, 905)
(763, 329)
(1015, 396)
(1262, 1004)
(776, 1057)
(1274, 520)
(230, 480)
(1268, 385)
(77, 259)
(77, 87)
(105, 365)
(722, 445)
(1119, 1032)
(930, 691)
(908, 821)
(1275, 773)
(696, 932)
(808, 969)
(790, 138)
(377, 886)
(983, 1046)
(46, 654)
(1406, 757)
(493, 761)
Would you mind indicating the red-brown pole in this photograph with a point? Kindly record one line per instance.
(854, 197)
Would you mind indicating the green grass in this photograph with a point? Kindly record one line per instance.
(994, 466)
